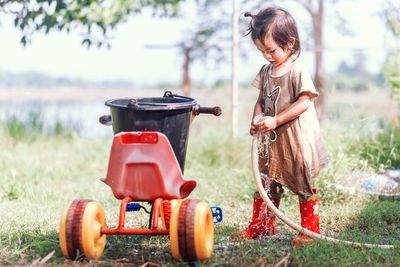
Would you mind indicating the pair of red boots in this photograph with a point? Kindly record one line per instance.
(263, 220)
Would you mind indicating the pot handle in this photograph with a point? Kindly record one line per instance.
(105, 120)
(170, 94)
(216, 111)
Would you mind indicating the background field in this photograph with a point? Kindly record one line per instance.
(40, 173)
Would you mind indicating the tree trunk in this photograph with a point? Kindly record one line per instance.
(186, 83)
(319, 77)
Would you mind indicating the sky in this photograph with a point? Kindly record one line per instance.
(61, 54)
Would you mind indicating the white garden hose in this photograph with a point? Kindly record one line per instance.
(286, 220)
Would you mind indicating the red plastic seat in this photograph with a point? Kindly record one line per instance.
(143, 166)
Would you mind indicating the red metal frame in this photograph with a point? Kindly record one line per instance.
(121, 230)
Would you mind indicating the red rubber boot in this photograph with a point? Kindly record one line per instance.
(309, 213)
(262, 222)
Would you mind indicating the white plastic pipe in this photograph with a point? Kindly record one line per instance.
(286, 220)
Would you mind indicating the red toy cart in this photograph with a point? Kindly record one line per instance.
(146, 165)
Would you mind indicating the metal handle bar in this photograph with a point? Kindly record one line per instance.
(216, 111)
(105, 120)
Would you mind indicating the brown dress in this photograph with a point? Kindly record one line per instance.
(298, 154)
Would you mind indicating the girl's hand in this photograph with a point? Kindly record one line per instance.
(253, 129)
(267, 124)
(254, 124)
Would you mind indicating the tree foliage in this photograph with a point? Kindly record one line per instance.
(392, 66)
(206, 36)
(392, 16)
(94, 18)
(392, 75)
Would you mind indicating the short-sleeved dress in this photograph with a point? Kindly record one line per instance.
(299, 153)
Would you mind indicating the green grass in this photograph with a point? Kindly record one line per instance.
(33, 126)
(39, 176)
(381, 150)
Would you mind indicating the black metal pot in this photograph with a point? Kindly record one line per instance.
(170, 115)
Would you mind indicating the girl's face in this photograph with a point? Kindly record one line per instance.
(272, 52)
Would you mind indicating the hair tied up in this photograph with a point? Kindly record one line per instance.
(248, 14)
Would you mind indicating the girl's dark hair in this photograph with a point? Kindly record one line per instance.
(277, 23)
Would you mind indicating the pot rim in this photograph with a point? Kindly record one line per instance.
(140, 103)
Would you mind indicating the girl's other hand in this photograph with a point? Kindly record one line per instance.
(253, 129)
(267, 124)
(254, 124)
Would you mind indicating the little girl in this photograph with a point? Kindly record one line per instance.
(295, 153)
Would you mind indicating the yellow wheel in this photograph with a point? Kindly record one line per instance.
(93, 242)
(80, 229)
(192, 231)
(173, 232)
(63, 232)
(203, 231)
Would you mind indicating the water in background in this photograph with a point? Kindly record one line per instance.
(79, 110)
(80, 117)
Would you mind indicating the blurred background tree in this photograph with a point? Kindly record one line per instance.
(206, 36)
(355, 76)
(95, 18)
(203, 38)
(392, 67)
(315, 9)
